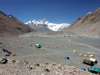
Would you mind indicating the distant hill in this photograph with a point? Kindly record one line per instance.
(87, 25)
(9, 25)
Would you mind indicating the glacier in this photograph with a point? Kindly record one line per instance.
(47, 24)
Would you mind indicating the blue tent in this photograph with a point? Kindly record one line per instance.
(66, 57)
(7, 54)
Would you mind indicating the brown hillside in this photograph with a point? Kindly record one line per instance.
(87, 25)
(9, 25)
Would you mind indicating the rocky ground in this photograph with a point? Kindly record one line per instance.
(16, 67)
(30, 60)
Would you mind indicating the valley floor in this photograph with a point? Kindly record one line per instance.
(65, 47)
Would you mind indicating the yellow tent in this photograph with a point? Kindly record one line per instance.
(91, 55)
(75, 51)
(80, 55)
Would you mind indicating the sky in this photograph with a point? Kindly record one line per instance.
(55, 11)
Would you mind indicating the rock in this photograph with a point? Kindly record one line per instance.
(53, 64)
(47, 70)
(70, 72)
(36, 64)
(74, 70)
(13, 61)
(30, 68)
(23, 62)
(18, 62)
(60, 67)
(46, 63)
(0, 43)
(43, 66)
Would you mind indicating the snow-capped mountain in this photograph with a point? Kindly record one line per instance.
(47, 24)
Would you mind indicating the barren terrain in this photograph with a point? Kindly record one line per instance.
(65, 47)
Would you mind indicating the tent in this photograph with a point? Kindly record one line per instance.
(94, 70)
(88, 62)
(38, 46)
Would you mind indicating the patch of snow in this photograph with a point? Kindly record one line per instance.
(47, 24)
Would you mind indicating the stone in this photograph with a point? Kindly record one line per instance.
(47, 70)
(37, 64)
(13, 61)
(46, 63)
(30, 68)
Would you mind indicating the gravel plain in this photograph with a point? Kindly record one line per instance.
(65, 47)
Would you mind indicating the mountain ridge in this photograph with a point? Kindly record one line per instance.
(47, 24)
(9, 25)
(87, 25)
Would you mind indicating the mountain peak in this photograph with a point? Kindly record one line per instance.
(47, 24)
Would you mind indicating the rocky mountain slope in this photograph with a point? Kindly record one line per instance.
(87, 25)
(9, 25)
(38, 28)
